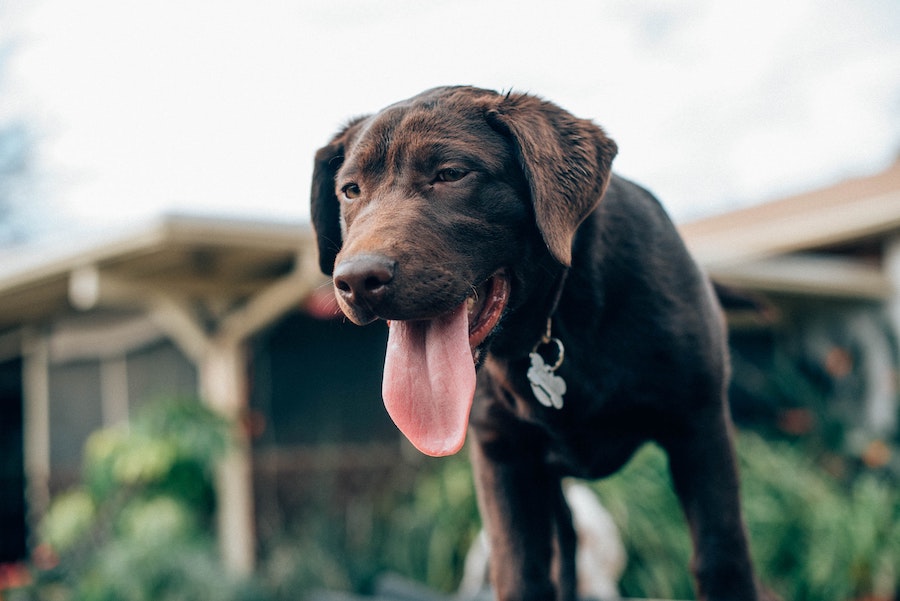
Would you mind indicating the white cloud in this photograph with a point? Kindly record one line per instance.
(219, 107)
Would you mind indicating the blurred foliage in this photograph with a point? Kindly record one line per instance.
(813, 537)
(818, 401)
(428, 534)
(420, 527)
(646, 511)
(816, 536)
(138, 527)
(21, 202)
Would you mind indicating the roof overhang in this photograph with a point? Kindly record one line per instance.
(217, 261)
(799, 245)
(807, 275)
(852, 210)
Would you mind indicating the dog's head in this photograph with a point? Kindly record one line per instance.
(426, 215)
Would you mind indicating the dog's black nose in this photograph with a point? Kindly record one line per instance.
(362, 281)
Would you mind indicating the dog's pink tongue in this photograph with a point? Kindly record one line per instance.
(429, 381)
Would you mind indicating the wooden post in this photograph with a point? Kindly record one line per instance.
(891, 264)
(223, 386)
(36, 388)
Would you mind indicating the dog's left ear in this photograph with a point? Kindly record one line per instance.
(566, 160)
(325, 209)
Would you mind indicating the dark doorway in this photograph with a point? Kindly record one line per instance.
(319, 382)
(12, 464)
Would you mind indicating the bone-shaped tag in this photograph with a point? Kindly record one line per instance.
(548, 388)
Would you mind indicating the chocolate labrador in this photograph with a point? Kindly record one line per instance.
(542, 302)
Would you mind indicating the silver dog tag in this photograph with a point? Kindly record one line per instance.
(548, 388)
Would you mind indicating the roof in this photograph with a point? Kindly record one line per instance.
(195, 257)
(802, 244)
(854, 209)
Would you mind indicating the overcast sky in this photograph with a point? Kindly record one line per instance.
(217, 107)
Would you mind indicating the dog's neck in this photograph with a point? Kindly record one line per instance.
(556, 297)
(524, 327)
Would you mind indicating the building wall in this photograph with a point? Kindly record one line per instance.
(324, 443)
(87, 392)
(318, 382)
(75, 411)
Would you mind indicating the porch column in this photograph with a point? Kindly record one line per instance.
(36, 389)
(223, 386)
(891, 266)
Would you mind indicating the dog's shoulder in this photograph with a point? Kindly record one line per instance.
(627, 200)
(631, 224)
(631, 243)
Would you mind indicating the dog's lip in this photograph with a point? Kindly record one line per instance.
(486, 306)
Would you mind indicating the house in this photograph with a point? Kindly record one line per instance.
(237, 313)
(827, 264)
(227, 311)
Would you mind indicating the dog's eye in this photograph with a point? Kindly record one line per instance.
(350, 191)
(451, 174)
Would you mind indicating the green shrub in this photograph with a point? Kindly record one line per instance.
(813, 537)
(646, 510)
(138, 527)
(428, 534)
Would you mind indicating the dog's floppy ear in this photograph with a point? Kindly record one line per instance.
(325, 209)
(566, 160)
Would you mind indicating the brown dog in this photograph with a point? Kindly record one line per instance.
(473, 222)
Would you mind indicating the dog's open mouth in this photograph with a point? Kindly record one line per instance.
(429, 368)
(484, 308)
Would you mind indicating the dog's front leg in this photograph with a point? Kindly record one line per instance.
(701, 459)
(566, 541)
(517, 497)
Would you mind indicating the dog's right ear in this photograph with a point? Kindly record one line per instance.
(566, 161)
(325, 209)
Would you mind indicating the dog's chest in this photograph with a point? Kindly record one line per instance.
(583, 438)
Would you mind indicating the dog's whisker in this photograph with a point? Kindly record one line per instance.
(328, 284)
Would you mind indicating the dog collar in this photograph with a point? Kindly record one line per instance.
(548, 388)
